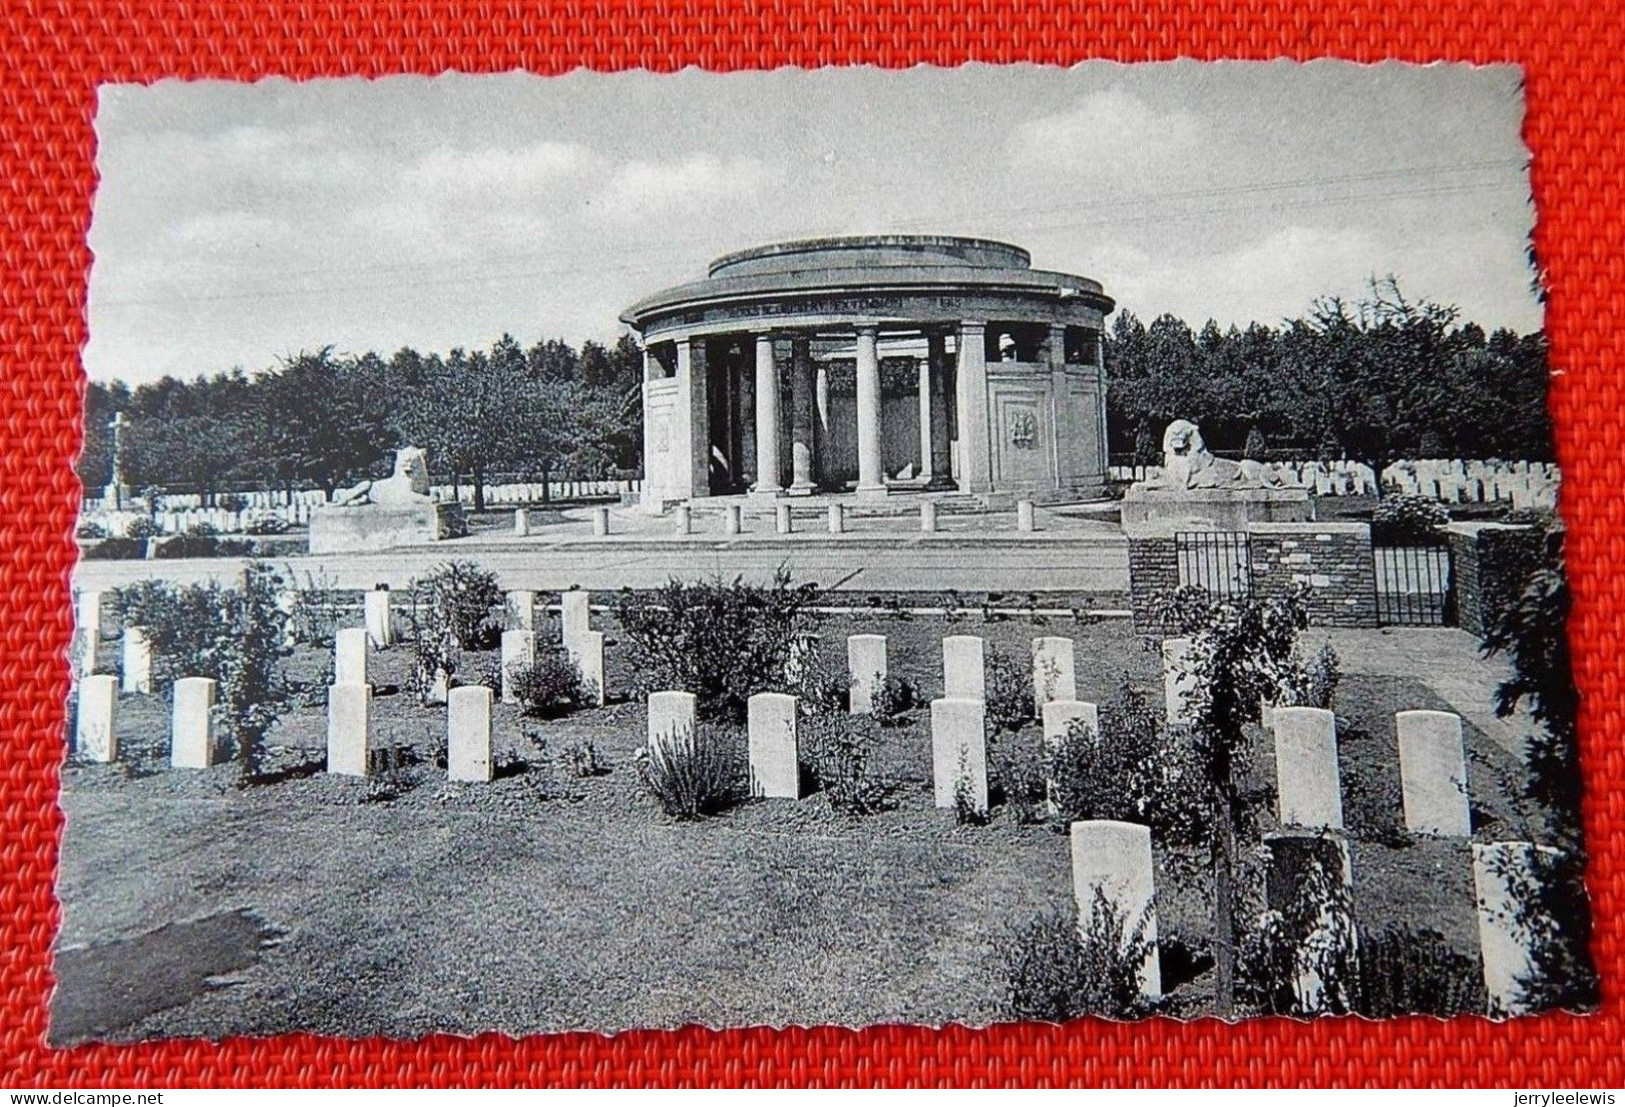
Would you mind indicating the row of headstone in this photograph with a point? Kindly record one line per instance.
(964, 659)
(193, 740)
(1523, 484)
(503, 495)
(468, 731)
(1432, 757)
(251, 501)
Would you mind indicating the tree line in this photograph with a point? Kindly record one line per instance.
(324, 420)
(1375, 380)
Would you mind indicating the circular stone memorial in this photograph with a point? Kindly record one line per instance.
(873, 364)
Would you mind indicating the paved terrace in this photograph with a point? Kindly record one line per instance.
(1070, 552)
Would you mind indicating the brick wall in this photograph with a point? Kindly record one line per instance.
(1489, 561)
(1331, 560)
(1153, 571)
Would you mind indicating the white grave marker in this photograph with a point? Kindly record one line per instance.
(137, 661)
(866, 670)
(1433, 773)
(96, 732)
(1114, 860)
(468, 734)
(348, 708)
(1054, 677)
(518, 652)
(1308, 785)
(959, 752)
(350, 655)
(775, 771)
(964, 673)
(192, 742)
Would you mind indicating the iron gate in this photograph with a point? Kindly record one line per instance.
(1215, 560)
(1414, 584)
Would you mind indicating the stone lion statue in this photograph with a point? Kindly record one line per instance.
(409, 484)
(1186, 463)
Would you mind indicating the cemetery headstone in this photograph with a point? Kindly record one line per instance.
(1308, 784)
(88, 630)
(964, 672)
(348, 708)
(575, 615)
(1308, 882)
(521, 522)
(1433, 773)
(468, 734)
(1179, 680)
(96, 729)
(1113, 859)
(671, 717)
(1054, 677)
(588, 654)
(1505, 877)
(959, 753)
(866, 670)
(192, 742)
(518, 652)
(380, 625)
(775, 772)
(522, 606)
(350, 646)
(137, 661)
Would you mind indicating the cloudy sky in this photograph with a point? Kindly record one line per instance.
(236, 224)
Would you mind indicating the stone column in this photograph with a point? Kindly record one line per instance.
(1062, 434)
(975, 463)
(767, 418)
(822, 464)
(803, 418)
(941, 456)
(924, 390)
(871, 477)
(692, 424)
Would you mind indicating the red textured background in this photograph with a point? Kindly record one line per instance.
(53, 55)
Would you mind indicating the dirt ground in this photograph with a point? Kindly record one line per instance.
(546, 902)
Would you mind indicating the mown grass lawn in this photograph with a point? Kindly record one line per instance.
(548, 902)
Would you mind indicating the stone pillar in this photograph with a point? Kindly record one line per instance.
(348, 706)
(682, 521)
(96, 729)
(924, 391)
(928, 517)
(964, 676)
(468, 734)
(975, 462)
(767, 418)
(380, 627)
(871, 476)
(836, 519)
(730, 519)
(350, 656)
(692, 424)
(1024, 516)
(1307, 783)
(1060, 417)
(1433, 773)
(137, 661)
(959, 752)
(803, 419)
(521, 521)
(941, 445)
(866, 670)
(823, 465)
(1113, 860)
(671, 717)
(1054, 676)
(600, 522)
(775, 772)
(782, 521)
(191, 731)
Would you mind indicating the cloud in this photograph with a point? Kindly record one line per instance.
(1107, 133)
(640, 189)
(447, 175)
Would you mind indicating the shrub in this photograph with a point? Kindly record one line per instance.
(893, 698)
(1313, 683)
(1008, 692)
(1015, 777)
(116, 549)
(231, 501)
(319, 608)
(1132, 771)
(1415, 972)
(722, 640)
(968, 807)
(584, 760)
(1055, 971)
(235, 636)
(142, 529)
(822, 685)
(837, 751)
(264, 523)
(1407, 517)
(1255, 448)
(696, 772)
(90, 530)
(451, 609)
(549, 686)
